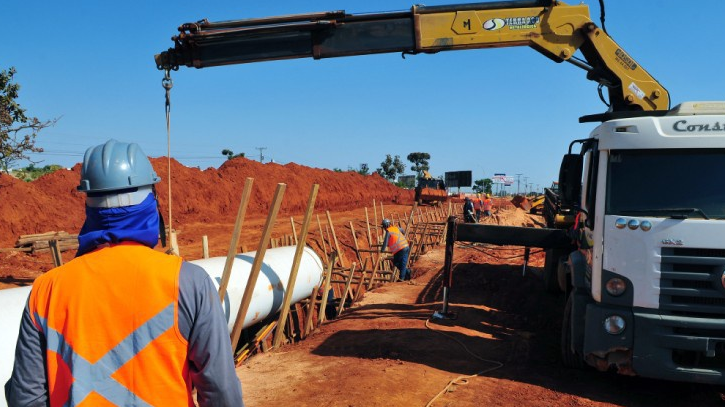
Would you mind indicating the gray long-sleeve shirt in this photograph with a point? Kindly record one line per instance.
(201, 322)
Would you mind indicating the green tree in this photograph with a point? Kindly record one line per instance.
(17, 131)
(230, 154)
(364, 169)
(483, 186)
(391, 167)
(420, 162)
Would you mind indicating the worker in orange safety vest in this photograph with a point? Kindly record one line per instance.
(487, 205)
(396, 242)
(477, 204)
(123, 324)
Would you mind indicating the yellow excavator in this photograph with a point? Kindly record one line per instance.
(430, 191)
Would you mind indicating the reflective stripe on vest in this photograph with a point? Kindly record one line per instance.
(396, 240)
(96, 377)
(111, 327)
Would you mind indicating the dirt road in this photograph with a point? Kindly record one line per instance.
(387, 352)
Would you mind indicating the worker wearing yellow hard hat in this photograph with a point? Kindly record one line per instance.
(487, 205)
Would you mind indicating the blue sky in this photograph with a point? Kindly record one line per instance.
(507, 110)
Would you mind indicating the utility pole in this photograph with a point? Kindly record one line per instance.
(518, 182)
(261, 157)
(526, 179)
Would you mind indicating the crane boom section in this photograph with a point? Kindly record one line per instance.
(553, 28)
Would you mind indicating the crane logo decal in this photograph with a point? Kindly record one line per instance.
(513, 23)
(494, 24)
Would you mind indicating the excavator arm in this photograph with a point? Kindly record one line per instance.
(553, 28)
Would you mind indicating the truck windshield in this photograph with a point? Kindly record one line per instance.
(667, 183)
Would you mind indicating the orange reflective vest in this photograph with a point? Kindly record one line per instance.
(110, 320)
(477, 204)
(487, 204)
(396, 239)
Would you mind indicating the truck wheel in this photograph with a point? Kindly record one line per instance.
(569, 356)
(551, 266)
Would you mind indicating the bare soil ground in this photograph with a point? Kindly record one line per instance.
(386, 350)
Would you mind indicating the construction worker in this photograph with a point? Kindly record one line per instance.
(487, 205)
(468, 212)
(477, 203)
(122, 324)
(397, 243)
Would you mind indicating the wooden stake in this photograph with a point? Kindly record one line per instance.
(292, 221)
(375, 212)
(325, 292)
(310, 310)
(295, 266)
(322, 235)
(367, 222)
(55, 252)
(354, 239)
(345, 293)
(205, 247)
(382, 214)
(375, 269)
(410, 219)
(257, 265)
(246, 193)
(334, 237)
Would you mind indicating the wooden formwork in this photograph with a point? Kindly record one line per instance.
(345, 281)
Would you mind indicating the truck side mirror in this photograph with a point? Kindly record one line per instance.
(570, 179)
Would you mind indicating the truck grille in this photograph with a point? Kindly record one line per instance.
(691, 282)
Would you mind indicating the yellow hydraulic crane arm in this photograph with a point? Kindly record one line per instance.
(551, 27)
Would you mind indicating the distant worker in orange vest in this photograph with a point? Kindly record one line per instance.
(123, 324)
(477, 204)
(397, 243)
(487, 205)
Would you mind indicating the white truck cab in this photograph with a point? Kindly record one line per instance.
(646, 284)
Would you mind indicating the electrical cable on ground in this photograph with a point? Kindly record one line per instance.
(461, 380)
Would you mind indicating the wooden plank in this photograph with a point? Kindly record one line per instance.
(231, 253)
(367, 222)
(325, 293)
(295, 265)
(375, 213)
(292, 221)
(354, 240)
(346, 292)
(410, 219)
(205, 247)
(310, 311)
(257, 264)
(55, 252)
(334, 237)
(322, 235)
(375, 269)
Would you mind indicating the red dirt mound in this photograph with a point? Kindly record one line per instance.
(212, 195)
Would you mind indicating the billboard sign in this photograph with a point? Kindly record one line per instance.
(458, 179)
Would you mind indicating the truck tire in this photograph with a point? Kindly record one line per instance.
(551, 271)
(570, 357)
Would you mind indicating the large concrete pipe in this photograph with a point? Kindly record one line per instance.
(271, 283)
(266, 299)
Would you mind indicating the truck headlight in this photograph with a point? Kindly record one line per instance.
(614, 324)
(616, 286)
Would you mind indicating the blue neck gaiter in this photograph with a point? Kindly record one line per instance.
(137, 223)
